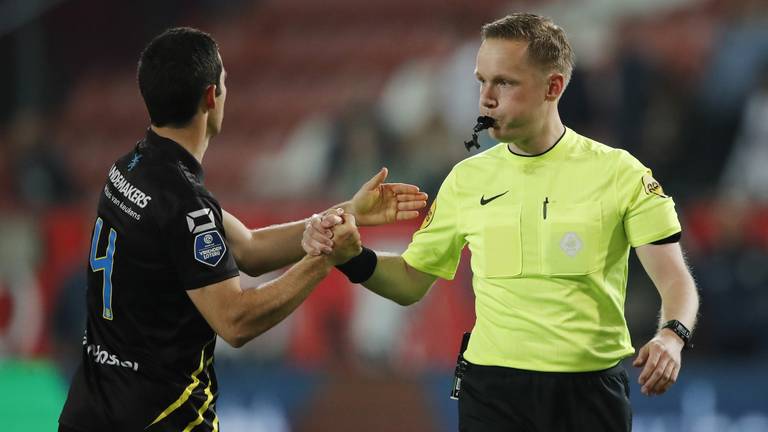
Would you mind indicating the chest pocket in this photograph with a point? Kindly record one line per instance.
(498, 254)
(571, 237)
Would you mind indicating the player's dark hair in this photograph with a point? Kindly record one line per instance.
(174, 70)
(547, 44)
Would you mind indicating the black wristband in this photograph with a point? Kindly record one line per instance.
(360, 268)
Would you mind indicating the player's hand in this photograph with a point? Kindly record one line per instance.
(346, 241)
(318, 236)
(661, 361)
(378, 203)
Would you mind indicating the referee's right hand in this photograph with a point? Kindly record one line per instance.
(318, 236)
(346, 241)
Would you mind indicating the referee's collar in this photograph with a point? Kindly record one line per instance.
(551, 153)
(173, 150)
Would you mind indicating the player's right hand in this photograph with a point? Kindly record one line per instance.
(346, 241)
(318, 237)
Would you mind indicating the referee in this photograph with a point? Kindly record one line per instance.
(163, 278)
(549, 217)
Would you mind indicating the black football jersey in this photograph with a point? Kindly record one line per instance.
(147, 352)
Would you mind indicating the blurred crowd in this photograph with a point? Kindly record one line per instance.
(322, 96)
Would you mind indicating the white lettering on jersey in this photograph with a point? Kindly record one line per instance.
(134, 194)
(101, 356)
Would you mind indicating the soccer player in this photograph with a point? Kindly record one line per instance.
(549, 217)
(163, 272)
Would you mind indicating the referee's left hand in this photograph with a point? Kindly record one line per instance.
(661, 361)
(378, 203)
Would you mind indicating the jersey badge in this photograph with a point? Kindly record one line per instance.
(571, 244)
(651, 186)
(134, 161)
(430, 215)
(200, 220)
(210, 248)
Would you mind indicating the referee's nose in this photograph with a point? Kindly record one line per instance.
(487, 98)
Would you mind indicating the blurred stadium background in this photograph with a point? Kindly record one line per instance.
(322, 94)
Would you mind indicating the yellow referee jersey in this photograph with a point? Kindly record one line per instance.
(549, 237)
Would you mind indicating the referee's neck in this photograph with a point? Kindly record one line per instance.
(539, 138)
(193, 138)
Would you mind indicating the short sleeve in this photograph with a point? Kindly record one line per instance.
(197, 243)
(649, 214)
(436, 246)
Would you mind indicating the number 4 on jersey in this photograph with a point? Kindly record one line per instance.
(104, 264)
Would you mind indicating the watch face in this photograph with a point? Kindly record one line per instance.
(679, 329)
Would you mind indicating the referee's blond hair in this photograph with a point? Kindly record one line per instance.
(548, 46)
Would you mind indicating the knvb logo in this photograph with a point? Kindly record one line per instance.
(571, 244)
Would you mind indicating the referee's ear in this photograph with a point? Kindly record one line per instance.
(209, 97)
(555, 87)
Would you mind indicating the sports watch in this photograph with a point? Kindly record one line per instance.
(681, 331)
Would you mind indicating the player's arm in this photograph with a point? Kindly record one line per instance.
(239, 315)
(266, 249)
(660, 358)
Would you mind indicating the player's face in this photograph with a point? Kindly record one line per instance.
(216, 118)
(512, 89)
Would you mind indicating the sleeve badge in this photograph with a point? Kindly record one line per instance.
(210, 248)
(651, 186)
(430, 215)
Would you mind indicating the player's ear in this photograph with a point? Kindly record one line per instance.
(555, 86)
(209, 97)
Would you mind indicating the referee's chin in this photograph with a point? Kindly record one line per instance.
(495, 133)
(508, 133)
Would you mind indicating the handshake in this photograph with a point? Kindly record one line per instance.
(334, 233)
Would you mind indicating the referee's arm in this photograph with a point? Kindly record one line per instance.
(660, 358)
(398, 281)
(392, 277)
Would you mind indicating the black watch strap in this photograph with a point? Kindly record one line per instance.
(681, 331)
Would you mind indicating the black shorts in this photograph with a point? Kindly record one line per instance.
(65, 428)
(512, 400)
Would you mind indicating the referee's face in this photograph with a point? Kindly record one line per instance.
(512, 89)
